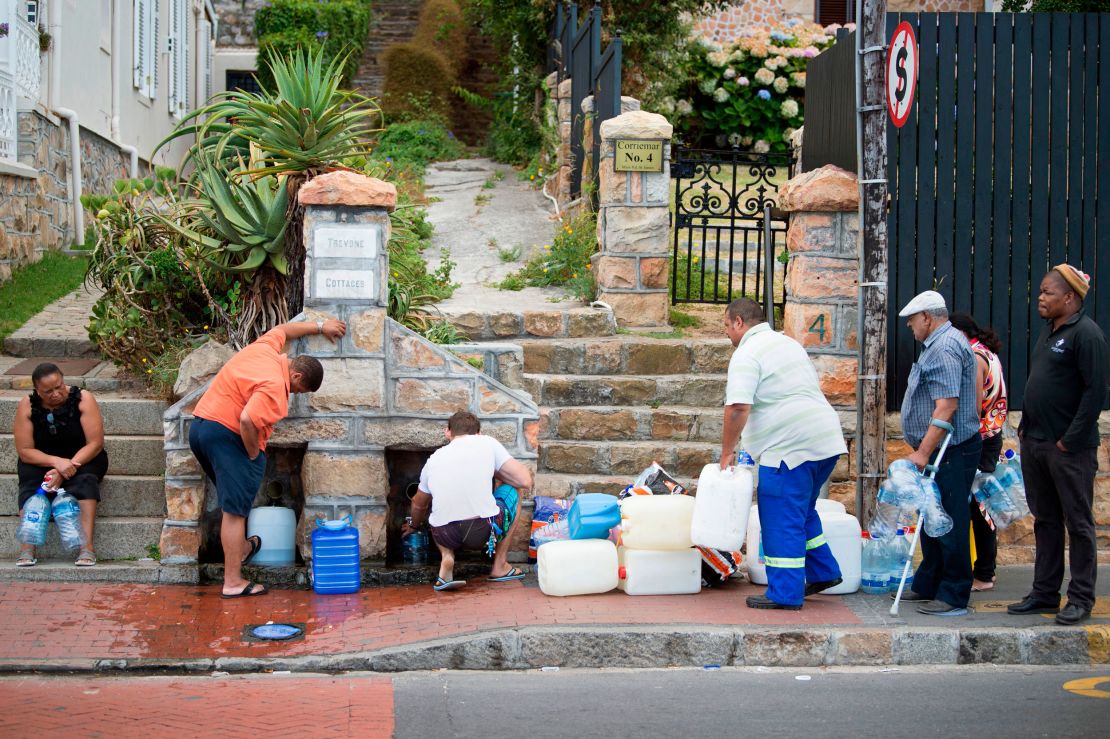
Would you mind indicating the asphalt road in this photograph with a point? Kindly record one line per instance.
(955, 702)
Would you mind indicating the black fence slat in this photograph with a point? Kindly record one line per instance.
(1076, 113)
(1000, 295)
(1039, 218)
(1016, 343)
(908, 242)
(946, 152)
(926, 105)
(1090, 24)
(965, 167)
(984, 172)
(1058, 140)
(1101, 274)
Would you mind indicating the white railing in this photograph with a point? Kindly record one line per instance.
(8, 120)
(19, 49)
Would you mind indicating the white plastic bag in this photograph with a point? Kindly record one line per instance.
(721, 507)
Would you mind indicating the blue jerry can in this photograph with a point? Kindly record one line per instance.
(335, 561)
(592, 515)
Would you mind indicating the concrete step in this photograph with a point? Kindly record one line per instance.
(626, 354)
(558, 485)
(103, 378)
(684, 458)
(639, 423)
(501, 325)
(127, 416)
(120, 496)
(704, 390)
(143, 570)
(114, 538)
(127, 455)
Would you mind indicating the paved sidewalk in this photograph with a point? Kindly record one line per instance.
(511, 626)
(59, 329)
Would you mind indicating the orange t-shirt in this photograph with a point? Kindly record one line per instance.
(257, 378)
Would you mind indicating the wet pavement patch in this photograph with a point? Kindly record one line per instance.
(273, 632)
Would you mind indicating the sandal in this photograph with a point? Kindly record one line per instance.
(256, 544)
(442, 584)
(514, 573)
(26, 560)
(248, 591)
(86, 558)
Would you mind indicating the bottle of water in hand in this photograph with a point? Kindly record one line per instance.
(35, 517)
(67, 516)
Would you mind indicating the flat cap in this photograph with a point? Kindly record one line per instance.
(928, 300)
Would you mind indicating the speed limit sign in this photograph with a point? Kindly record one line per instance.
(901, 73)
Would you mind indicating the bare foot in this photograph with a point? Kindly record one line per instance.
(981, 585)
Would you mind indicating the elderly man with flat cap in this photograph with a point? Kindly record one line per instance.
(941, 397)
(1064, 394)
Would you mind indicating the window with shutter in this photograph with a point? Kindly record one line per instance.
(181, 50)
(139, 43)
(828, 12)
(153, 48)
(173, 87)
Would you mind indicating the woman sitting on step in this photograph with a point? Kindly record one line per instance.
(59, 432)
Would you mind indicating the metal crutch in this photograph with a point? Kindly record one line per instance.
(930, 473)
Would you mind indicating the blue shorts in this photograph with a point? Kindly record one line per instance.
(224, 460)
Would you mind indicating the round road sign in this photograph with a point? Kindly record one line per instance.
(901, 73)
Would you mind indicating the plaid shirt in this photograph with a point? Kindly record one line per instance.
(946, 369)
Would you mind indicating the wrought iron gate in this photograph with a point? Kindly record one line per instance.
(729, 236)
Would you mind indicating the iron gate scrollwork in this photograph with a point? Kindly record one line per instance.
(725, 203)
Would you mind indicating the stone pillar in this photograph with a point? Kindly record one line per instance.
(632, 267)
(562, 153)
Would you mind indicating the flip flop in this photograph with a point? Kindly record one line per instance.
(442, 584)
(26, 561)
(514, 574)
(247, 591)
(256, 544)
(85, 559)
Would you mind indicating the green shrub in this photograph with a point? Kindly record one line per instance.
(414, 144)
(336, 26)
(565, 262)
(418, 82)
(443, 27)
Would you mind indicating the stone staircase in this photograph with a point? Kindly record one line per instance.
(133, 501)
(610, 405)
(391, 22)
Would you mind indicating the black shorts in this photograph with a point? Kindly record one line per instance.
(224, 459)
(85, 485)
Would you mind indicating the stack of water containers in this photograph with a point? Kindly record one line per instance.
(842, 532)
(586, 562)
(656, 556)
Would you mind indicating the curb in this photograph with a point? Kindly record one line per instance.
(656, 647)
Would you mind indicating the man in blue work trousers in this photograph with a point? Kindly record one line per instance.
(773, 398)
(941, 397)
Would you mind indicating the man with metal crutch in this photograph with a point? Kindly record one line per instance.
(941, 395)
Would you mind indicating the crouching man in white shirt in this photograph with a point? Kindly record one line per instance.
(467, 511)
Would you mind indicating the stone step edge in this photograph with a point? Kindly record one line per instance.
(719, 376)
(653, 647)
(106, 571)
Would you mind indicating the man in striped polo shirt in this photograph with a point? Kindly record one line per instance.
(774, 399)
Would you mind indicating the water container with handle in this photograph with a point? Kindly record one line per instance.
(35, 517)
(657, 521)
(842, 532)
(335, 557)
(577, 567)
(592, 515)
(753, 559)
(659, 572)
(276, 526)
(721, 507)
(67, 517)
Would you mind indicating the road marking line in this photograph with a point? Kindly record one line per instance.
(1088, 686)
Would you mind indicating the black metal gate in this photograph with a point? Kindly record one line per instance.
(729, 236)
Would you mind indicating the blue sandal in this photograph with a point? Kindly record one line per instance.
(513, 574)
(442, 584)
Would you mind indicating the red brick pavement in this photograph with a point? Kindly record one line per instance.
(129, 621)
(248, 706)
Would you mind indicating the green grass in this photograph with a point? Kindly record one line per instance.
(683, 320)
(36, 286)
(509, 253)
(482, 199)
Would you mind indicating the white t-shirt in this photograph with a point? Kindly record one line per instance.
(459, 477)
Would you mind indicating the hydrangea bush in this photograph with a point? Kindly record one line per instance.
(750, 93)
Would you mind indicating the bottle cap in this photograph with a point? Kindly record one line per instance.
(866, 535)
(622, 573)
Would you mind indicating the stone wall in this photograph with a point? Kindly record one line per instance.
(385, 387)
(726, 25)
(632, 267)
(235, 22)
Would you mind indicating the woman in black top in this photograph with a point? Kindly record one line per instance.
(59, 433)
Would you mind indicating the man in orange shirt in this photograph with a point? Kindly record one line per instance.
(232, 423)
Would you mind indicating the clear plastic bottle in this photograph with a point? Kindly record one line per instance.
(884, 523)
(873, 576)
(743, 459)
(67, 516)
(899, 554)
(554, 531)
(35, 517)
(414, 546)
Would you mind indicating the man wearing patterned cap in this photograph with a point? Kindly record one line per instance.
(1064, 394)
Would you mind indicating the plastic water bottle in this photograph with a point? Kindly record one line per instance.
(873, 576)
(1009, 476)
(554, 531)
(899, 553)
(884, 523)
(414, 546)
(36, 515)
(67, 516)
(743, 459)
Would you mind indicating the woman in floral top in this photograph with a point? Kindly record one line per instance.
(991, 386)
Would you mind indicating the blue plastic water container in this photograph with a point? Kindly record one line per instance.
(335, 562)
(592, 515)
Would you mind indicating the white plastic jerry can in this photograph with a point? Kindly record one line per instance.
(842, 532)
(657, 521)
(721, 507)
(577, 567)
(659, 571)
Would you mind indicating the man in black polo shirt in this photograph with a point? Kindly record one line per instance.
(1064, 395)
